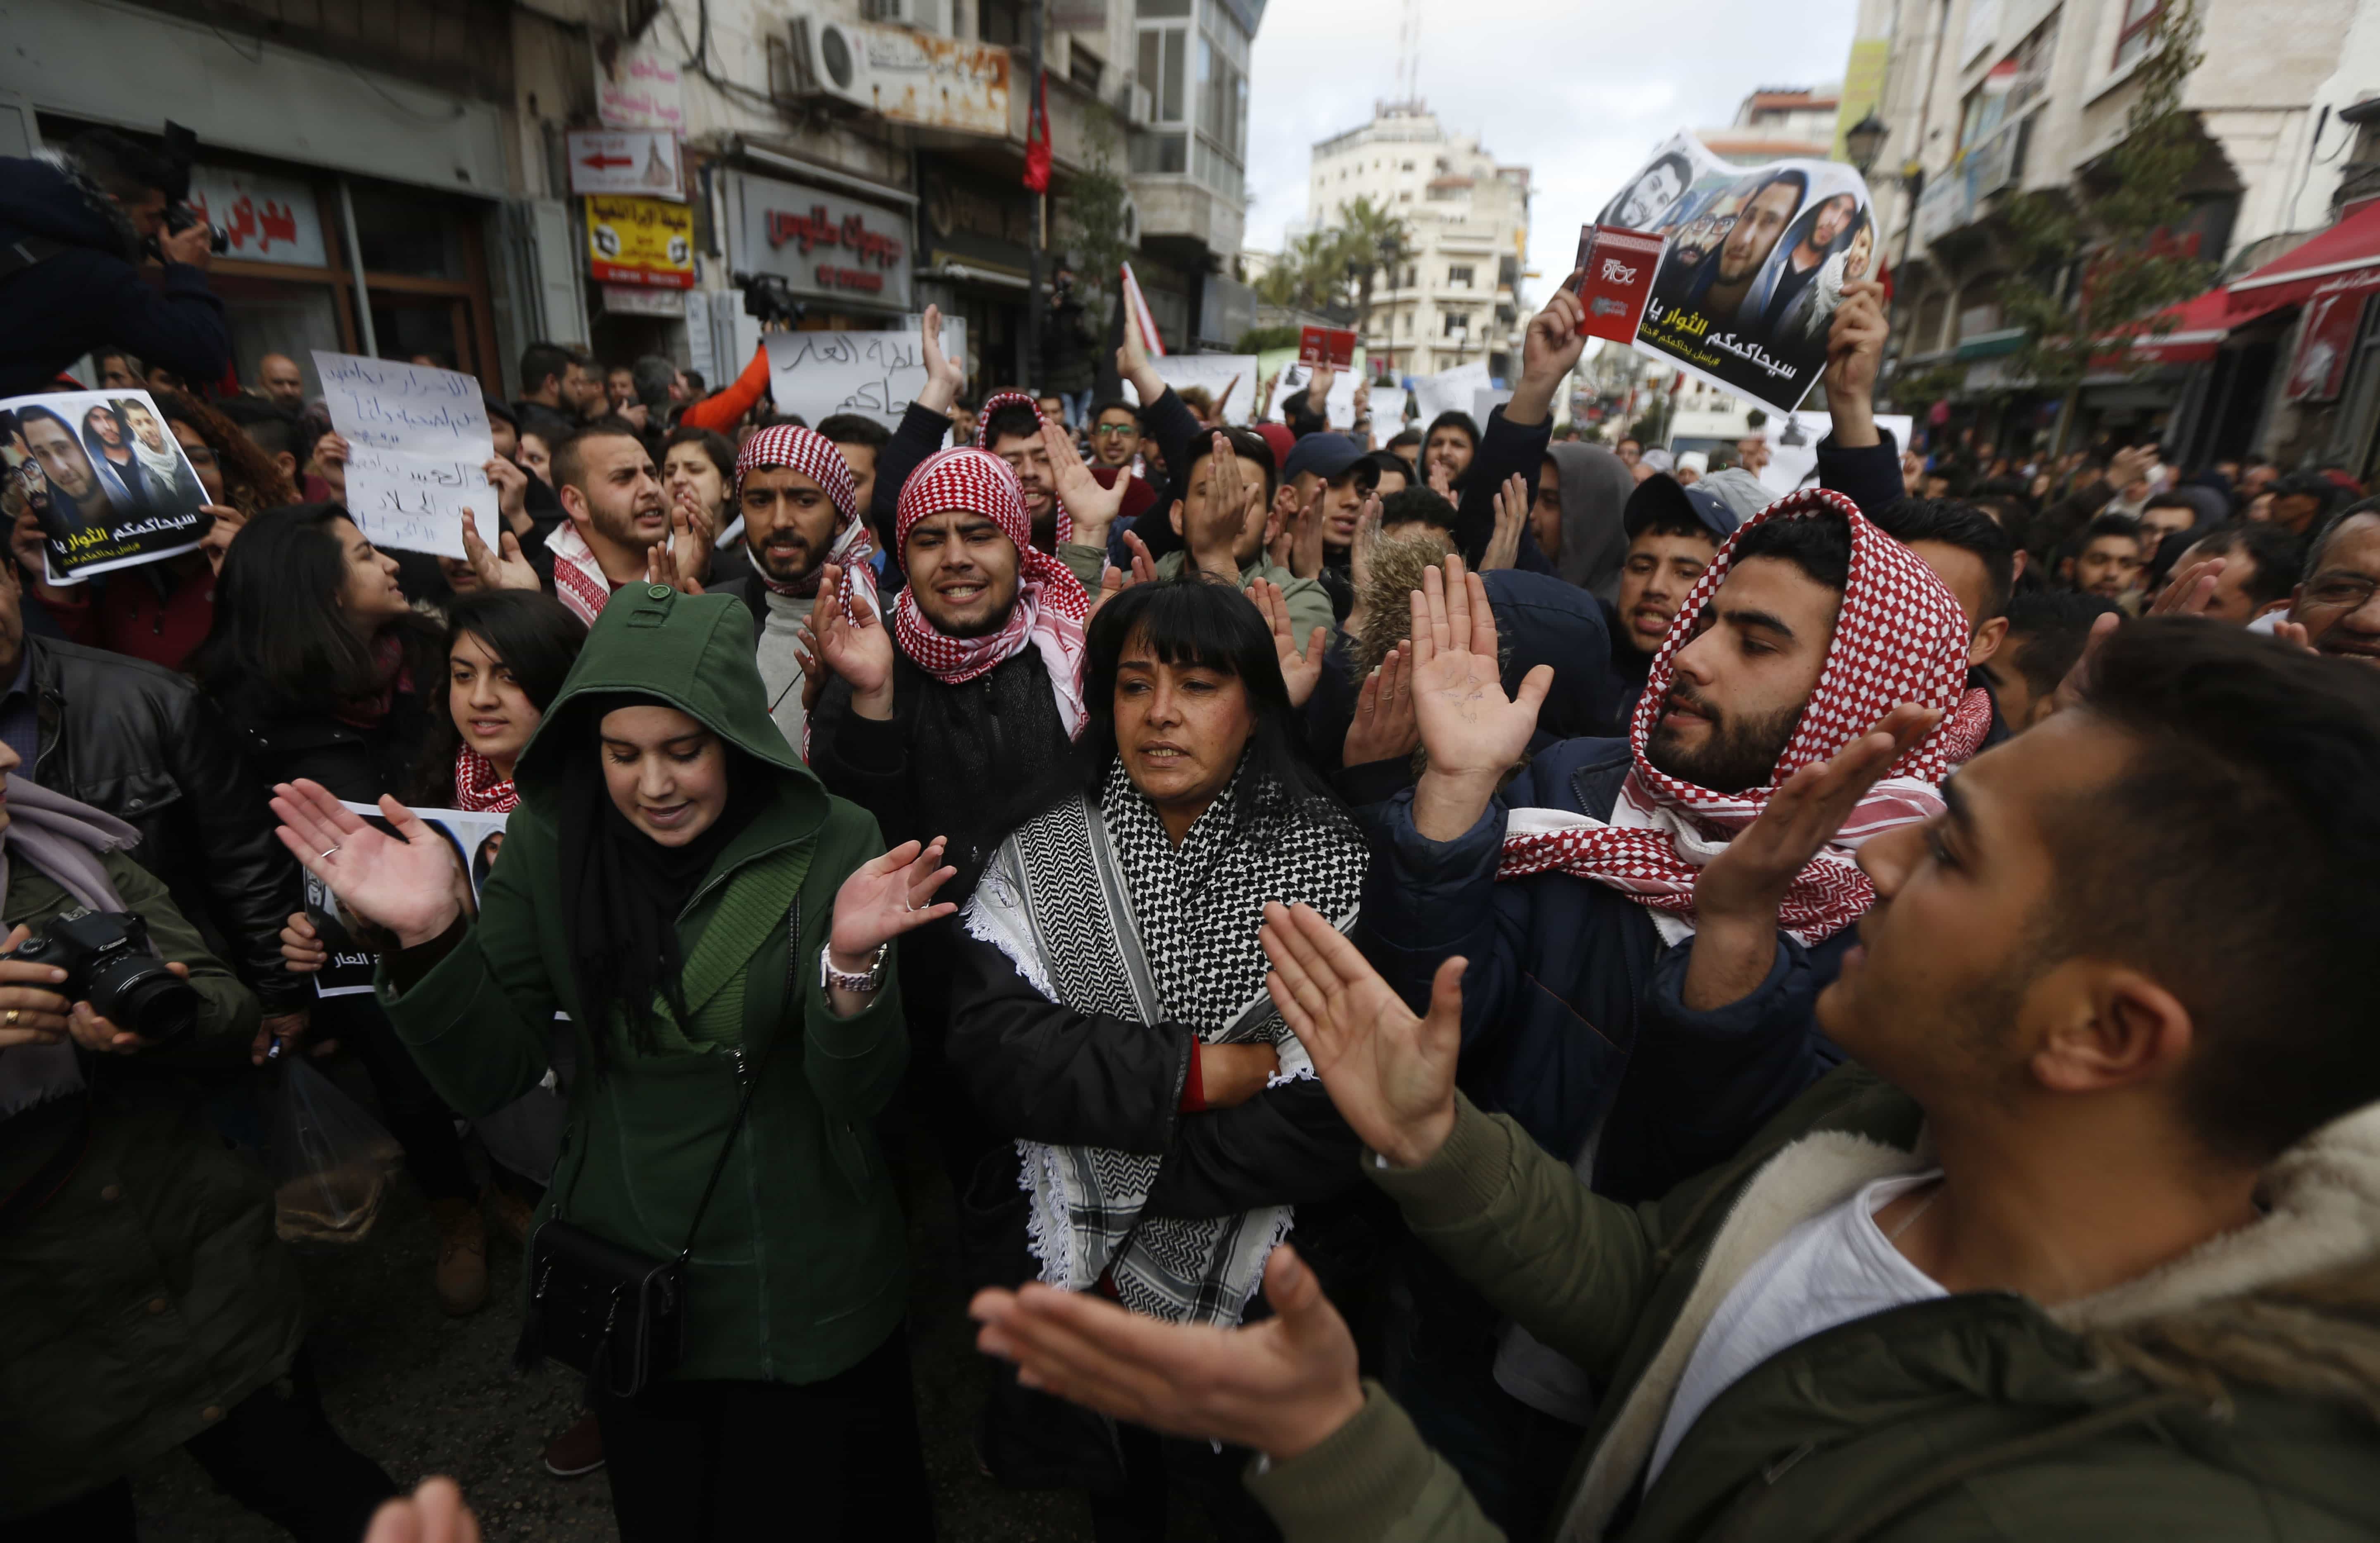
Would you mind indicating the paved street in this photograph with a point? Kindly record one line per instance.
(424, 1393)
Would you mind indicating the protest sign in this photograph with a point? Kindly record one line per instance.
(874, 374)
(107, 481)
(418, 448)
(476, 836)
(1614, 278)
(1793, 446)
(1230, 379)
(1332, 346)
(1338, 408)
(1449, 390)
(1756, 263)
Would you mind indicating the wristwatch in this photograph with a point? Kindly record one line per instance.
(860, 985)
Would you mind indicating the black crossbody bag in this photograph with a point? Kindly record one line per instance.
(608, 1312)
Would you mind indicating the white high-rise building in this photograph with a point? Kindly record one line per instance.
(1455, 296)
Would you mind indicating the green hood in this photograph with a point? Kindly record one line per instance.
(693, 652)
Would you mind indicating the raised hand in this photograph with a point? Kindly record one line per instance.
(1131, 363)
(1549, 350)
(1738, 891)
(945, 377)
(1305, 540)
(1383, 727)
(216, 543)
(2129, 464)
(1441, 477)
(504, 570)
(1216, 531)
(1855, 354)
(860, 651)
(1091, 508)
(691, 533)
(1472, 732)
(512, 489)
(884, 898)
(1390, 1073)
(1511, 513)
(1280, 1387)
(1144, 566)
(1318, 390)
(1299, 672)
(2070, 688)
(2191, 589)
(661, 559)
(405, 883)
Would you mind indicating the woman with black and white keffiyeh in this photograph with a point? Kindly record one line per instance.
(1110, 1015)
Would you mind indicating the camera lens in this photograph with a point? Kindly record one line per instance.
(140, 995)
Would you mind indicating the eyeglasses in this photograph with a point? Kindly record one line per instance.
(1115, 431)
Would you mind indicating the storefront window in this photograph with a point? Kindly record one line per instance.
(405, 233)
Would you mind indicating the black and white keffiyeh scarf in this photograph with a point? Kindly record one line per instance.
(1103, 913)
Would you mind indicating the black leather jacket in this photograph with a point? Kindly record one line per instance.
(144, 744)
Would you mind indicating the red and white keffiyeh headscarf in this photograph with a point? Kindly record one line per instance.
(992, 404)
(816, 456)
(1898, 637)
(479, 789)
(578, 580)
(1051, 606)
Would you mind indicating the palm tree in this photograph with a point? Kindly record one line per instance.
(1370, 238)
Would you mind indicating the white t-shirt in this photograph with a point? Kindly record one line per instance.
(1830, 1269)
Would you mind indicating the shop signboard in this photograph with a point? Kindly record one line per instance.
(641, 161)
(636, 240)
(264, 218)
(824, 245)
(938, 82)
(637, 86)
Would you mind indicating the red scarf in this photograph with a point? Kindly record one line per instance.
(477, 788)
(816, 457)
(1051, 606)
(1900, 637)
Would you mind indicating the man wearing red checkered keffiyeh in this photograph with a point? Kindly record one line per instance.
(1010, 428)
(1581, 889)
(800, 509)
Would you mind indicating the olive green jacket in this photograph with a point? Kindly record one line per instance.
(799, 1270)
(2232, 1395)
(148, 1295)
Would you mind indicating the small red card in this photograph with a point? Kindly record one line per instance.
(1333, 346)
(1615, 279)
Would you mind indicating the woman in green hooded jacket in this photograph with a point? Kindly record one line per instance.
(714, 924)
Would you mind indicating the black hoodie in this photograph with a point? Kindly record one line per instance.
(90, 295)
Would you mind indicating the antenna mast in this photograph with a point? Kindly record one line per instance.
(1409, 53)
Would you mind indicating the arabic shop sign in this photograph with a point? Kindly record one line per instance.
(269, 219)
(824, 244)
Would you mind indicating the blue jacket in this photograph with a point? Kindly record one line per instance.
(1572, 1018)
(90, 296)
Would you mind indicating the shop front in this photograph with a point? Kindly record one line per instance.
(975, 234)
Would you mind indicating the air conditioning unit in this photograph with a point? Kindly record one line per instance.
(927, 15)
(1139, 105)
(829, 59)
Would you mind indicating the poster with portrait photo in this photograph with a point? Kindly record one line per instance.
(106, 479)
(476, 838)
(1756, 263)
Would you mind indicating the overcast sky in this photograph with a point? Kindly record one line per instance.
(1578, 91)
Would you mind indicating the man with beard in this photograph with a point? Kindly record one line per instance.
(795, 491)
(2335, 602)
(82, 497)
(1802, 260)
(617, 515)
(951, 714)
(1766, 214)
(1643, 947)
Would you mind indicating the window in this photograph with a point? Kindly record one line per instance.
(1158, 153)
(1002, 22)
(1459, 273)
(1085, 68)
(1453, 321)
(1406, 166)
(2140, 18)
(1160, 69)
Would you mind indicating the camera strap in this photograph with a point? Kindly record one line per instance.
(27, 251)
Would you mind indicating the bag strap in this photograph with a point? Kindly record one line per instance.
(27, 251)
(744, 1104)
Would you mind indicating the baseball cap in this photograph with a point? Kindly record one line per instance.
(1329, 456)
(1662, 496)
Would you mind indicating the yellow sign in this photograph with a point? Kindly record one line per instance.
(640, 240)
(1863, 87)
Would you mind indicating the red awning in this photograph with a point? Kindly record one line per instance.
(2350, 246)
(2199, 326)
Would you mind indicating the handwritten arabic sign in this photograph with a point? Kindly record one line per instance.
(874, 374)
(267, 219)
(1756, 261)
(106, 479)
(417, 441)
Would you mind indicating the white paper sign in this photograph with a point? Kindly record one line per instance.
(1231, 378)
(1339, 409)
(874, 374)
(1793, 446)
(1449, 390)
(418, 441)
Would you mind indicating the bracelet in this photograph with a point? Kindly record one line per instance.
(858, 985)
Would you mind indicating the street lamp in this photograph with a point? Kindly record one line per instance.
(1865, 139)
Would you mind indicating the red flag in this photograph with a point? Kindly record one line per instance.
(1036, 139)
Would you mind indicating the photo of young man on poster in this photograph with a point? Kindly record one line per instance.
(116, 489)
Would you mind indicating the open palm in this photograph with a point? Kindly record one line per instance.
(1468, 725)
(405, 883)
(859, 650)
(882, 899)
(1389, 1073)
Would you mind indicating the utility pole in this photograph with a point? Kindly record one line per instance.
(1031, 353)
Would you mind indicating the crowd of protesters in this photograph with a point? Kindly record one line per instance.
(1466, 983)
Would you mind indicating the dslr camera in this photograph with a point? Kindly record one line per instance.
(181, 149)
(108, 963)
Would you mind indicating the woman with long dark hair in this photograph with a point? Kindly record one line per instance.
(326, 671)
(1110, 1014)
(719, 930)
(507, 654)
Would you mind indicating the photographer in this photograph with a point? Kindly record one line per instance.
(149, 1305)
(73, 229)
